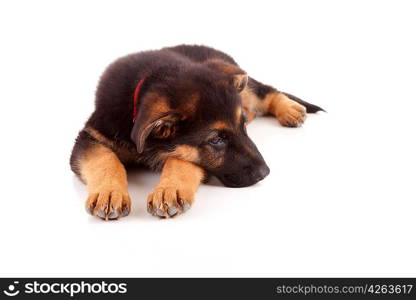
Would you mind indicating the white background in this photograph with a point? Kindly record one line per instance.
(340, 199)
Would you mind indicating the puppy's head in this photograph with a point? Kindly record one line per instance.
(196, 114)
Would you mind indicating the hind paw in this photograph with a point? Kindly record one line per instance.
(289, 113)
(292, 114)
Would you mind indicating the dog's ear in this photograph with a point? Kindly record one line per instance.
(156, 120)
(161, 128)
(240, 81)
(237, 77)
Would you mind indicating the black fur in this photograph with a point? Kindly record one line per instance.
(310, 108)
(176, 74)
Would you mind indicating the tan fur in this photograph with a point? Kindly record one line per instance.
(240, 77)
(98, 136)
(188, 107)
(160, 128)
(186, 152)
(252, 104)
(158, 105)
(220, 125)
(240, 81)
(175, 192)
(106, 181)
(288, 112)
(249, 115)
(212, 158)
(182, 152)
(238, 113)
(124, 153)
(223, 66)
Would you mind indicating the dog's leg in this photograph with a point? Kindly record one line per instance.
(99, 167)
(175, 192)
(259, 99)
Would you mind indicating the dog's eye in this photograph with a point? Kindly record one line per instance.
(218, 142)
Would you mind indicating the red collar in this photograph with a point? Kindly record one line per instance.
(136, 97)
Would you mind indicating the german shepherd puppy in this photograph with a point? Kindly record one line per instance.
(181, 110)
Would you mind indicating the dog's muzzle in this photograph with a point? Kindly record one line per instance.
(247, 176)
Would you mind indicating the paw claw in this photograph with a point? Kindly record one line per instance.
(90, 209)
(101, 214)
(172, 211)
(149, 210)
(113, 215)
(165, 201)
(108, 205)
(125, 212)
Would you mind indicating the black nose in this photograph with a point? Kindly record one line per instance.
(261, 172)
(249, 175)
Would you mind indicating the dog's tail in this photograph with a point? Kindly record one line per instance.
(310, 108)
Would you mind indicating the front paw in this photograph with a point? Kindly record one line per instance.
(108, 205)
(169, 201)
